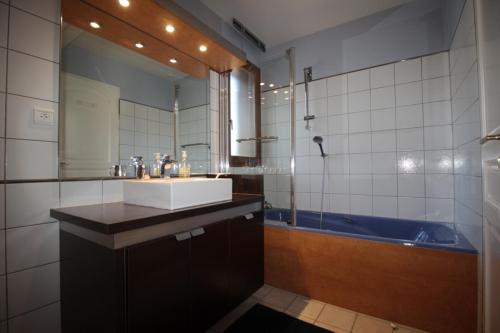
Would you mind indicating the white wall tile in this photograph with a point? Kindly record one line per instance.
(408, 71)
(409, 116)
(383, 98)
(383, 119)
(2, 253)
(359, 101)
(2, 158)
(303, 201)
(3, 299)
(360, 143)
(2, 206)
(438, 137)
(46, 319)
(2, 114)
(385, 206)
(439, 186)
(358, 81)
(336, 124)
(81, 193)
(384, 163)
(37, 199)
(339, 164)
(411, 208)
(337, 105)
(360, 122)
(361, 204)
(383, 141)
(33, 77)
(31, 159)
(437, 113)
(411, 162)
(44, 43)
(411, 185)
(317, 89)
(385, 185)
(127, 123)
(410, 139)
(360, 164)
(3, 69)
(21, 123)
(112, 191)
(32, 246)
(439, 161)
(32, 288)
(439, 210)
(48, 9)
(339, 203)
(126, 108)
(360, 184)
(436, 89)
(435, 65)
(382, 76)
(409, 93)
(4, 21)
(339, 184)
(337, 85)
(337, 144)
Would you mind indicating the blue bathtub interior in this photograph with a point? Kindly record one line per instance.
(406, 232)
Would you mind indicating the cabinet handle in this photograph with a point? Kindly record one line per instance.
(249, 216)
(183, 236)
(197, 232)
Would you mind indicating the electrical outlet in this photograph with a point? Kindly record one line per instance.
(43, 116)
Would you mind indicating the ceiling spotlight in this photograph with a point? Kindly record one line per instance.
(271, 85)
(276, 91)
(173, 61)
(139, 45)
(203, 48)
(169, 28)
(124, 3)
(285, 92)
(262, 84)
(94, 25)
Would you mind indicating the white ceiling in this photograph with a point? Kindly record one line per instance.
(279, 21)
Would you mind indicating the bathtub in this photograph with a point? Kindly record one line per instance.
(421, 274)
(405, 232)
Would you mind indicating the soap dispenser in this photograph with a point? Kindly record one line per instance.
(157, 165)
(185, 168)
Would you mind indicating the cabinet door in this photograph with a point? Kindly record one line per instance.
(247, 256)
(209, 275)
(158, 286)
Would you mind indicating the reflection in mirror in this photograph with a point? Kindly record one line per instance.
(117, 103)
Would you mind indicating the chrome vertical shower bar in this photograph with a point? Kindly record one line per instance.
(291, 61)
(307, 79)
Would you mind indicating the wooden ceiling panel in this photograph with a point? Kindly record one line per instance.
(150, 17)
(79, 14)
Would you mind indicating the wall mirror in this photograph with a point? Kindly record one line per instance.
(117, 103)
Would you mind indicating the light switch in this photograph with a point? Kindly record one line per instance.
(43, 116)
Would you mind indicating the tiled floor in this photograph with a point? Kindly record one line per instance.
(325, 315)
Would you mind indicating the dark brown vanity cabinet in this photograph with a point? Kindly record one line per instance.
(179, 283)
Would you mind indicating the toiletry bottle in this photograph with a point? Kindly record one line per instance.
(185, 168)
(157, 165)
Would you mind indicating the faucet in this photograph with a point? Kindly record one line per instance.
(267, 205)
(139, 168)
(166, 166)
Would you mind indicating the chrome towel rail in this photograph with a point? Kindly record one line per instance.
(262, 138)
(196, 144)
(495, 137)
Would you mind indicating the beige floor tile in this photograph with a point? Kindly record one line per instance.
(367, 324)
(331, 328)
(307, 307)
(337, 317)
(279, 299)
(263, 292)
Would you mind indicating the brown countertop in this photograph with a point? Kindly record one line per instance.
(117, 217)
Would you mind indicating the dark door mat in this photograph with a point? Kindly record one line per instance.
(261, 319)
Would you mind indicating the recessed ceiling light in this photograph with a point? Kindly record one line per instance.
(285, 92)
(271, 85)
(169, 28)
(276, 91)
(124, 3)
(262, 83)
(139, 45)
(203, 48)
(173, 61)
(94, 24)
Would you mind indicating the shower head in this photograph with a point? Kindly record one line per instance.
(319, 141)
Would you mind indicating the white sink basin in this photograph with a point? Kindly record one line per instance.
(177, 192)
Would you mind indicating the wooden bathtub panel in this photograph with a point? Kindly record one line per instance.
(424, 288)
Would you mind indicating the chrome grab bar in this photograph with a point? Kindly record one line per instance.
(195, 145)
(262, 138)
(495, 137)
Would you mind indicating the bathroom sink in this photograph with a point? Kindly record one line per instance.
(177, 193)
